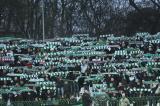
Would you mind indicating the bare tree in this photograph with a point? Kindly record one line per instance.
(152, 20)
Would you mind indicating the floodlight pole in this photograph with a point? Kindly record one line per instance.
(43, 27)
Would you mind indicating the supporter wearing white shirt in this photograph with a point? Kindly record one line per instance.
(96, 59)
(84, 67)
(10, 53)
(82, 91)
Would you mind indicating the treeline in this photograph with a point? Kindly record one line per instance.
(65, 17)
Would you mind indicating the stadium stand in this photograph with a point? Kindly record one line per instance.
(62, 69)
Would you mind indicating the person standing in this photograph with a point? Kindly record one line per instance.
(60, 87)
(86, 99)
(124, 101)
(84, 67)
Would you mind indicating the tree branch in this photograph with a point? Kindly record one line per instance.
(132, 3)
(154, 2)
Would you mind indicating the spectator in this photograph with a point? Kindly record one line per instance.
(124, 101)
(86, 99)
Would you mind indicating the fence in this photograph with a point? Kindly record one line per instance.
(63, 102)
(134, 101)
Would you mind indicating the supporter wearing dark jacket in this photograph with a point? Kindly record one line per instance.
(81, 82)
(49, 95)
(60, 87)
(27, 96)
(67, 88)
(86, 99)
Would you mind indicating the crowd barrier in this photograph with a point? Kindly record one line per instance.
(63, 102)
(134, 101)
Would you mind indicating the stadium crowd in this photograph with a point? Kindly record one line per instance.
(67, 67)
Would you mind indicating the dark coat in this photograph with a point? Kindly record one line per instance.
(86, 99)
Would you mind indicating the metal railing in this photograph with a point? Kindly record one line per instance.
(63, 102)
(134, 101)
